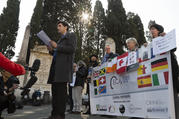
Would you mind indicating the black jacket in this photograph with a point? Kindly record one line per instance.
(81, 75)
(62, 66)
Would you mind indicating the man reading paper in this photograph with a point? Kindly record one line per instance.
(61, 69)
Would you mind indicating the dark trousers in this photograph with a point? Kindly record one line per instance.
(3, 103)
(59, 98)
(70, 98)
(88, 92)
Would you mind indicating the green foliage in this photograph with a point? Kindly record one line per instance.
(116, 23)
(98, 23)
(135, 28)
(35, 23)
(9, 24)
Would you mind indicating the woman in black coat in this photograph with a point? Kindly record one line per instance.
(156, 31)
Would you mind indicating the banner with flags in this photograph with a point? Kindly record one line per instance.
(146, 91)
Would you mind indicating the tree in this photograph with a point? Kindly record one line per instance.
(136, 28)
(9, 24)
(98, 23)
(69, 11)
(53, 11)
(81, 28)
(35, 24)
(116, 23)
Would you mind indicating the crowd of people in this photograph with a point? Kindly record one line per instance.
(67, 76)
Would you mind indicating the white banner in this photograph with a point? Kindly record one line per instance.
(140, 93)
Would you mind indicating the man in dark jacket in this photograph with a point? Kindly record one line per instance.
(61, 69)
(109, 55)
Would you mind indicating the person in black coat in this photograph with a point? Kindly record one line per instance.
(61, 69)
(93, 63)
(79, 77)
(156, 31)
(8, 84)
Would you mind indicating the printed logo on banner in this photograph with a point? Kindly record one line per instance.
(115, 81)
(122, 109)
(159, 64)
(101, 107)
(160, 78)
(133, 109)
(157, 109)
(144, 81)
(111, 109)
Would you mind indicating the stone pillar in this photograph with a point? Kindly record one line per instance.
(24, 47)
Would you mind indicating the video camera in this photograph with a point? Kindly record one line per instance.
(35, 67)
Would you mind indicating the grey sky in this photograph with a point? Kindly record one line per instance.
(164, 12)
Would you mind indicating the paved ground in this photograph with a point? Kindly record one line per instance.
(31, 112)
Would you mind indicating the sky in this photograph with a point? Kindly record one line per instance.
(164, 12)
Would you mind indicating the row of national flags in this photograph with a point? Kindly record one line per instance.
(120, 65)
(149, 74)
(100, 85)
(157, 79)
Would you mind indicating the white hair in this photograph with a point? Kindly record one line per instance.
(132, 39)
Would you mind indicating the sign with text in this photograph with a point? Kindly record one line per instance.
(165, 43)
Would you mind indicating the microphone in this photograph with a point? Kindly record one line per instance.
(36, 65)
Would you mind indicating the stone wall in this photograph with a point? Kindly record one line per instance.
(41, 53)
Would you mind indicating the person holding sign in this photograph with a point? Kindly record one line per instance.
(61, 70)
(132, 46)
(156, 31)
(132, 62)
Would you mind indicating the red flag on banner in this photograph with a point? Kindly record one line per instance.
(122, 63)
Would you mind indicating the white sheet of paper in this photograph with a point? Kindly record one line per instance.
(74, 80)
(164, 44)
(144, 52)
(132, 58)
(43, 36)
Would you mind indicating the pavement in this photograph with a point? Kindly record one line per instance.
(40, 112)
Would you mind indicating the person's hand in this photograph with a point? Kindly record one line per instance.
(49, 48)
(88, 77)
(53, 44)
(162, 34)
(15, 86)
